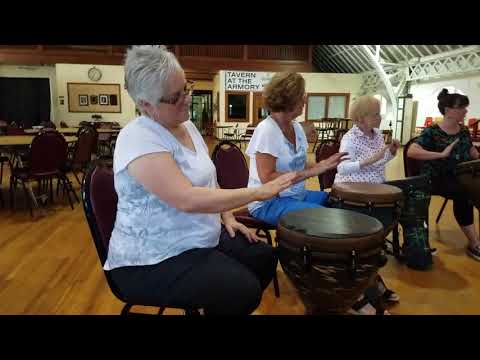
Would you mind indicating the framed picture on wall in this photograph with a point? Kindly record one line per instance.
(103, 99)
(83, 100)
(94, 98)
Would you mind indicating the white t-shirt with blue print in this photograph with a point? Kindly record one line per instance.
(147, 230)
(268, 138)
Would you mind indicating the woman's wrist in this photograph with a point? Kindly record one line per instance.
(304, 174)
(227, 215)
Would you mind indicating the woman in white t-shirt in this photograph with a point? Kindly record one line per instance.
(279, 145)
(168, 245)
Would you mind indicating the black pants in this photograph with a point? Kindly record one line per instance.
(226, 280)
(462, 206)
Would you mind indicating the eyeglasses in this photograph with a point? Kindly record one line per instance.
(173, 100)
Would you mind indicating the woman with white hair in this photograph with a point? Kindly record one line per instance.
(365, 145)
(368, 156)
(168, 245)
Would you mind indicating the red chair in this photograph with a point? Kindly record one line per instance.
(428, 121)
(81, 155)
(47, 156)
(233, 173)
(100, 206)
(473, 126)
(324, 151)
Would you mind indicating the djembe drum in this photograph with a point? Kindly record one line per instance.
(468, 175)
(330, 255)
(381, 201)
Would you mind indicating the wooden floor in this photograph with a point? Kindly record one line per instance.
(48, 265)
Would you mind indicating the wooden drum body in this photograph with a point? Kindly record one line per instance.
(330, 255)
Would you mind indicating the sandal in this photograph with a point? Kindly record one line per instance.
(359, 308)
(390, 296)
(387, 294)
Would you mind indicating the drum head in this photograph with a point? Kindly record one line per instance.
(330, 229)
(367, 192)
(468, 167)
(468, 175)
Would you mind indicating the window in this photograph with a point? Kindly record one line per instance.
(237, 107)
(320, 106)
(383, 104)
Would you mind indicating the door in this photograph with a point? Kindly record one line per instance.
(259, 111)
(201, 110)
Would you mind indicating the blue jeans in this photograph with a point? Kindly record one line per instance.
(275, 208)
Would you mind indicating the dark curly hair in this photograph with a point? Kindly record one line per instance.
(451, 100)
(284, 91)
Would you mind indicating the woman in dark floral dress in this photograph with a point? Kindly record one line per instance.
(441, 147)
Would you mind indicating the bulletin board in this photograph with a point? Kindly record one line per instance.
(98, 98)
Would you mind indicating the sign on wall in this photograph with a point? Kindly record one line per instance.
(98, 98)
(246, 80)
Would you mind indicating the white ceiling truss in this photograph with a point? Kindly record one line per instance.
(385, 66)
(455, 62)
(388, 69)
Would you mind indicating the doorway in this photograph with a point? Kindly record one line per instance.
(259, 110)
(201, 110)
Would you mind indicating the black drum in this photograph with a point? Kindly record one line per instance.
(330, 255)
(468, 175)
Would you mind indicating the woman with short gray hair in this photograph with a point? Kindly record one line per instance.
(168, 245)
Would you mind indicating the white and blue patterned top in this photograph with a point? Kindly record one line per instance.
(147, 230)
(268, 138)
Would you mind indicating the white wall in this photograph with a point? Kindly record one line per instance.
(426, 95)
(48, 72)
(314, 83)
(111, 74)
(332, 83)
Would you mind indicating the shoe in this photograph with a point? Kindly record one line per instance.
(390, 296)
(433, 251)
(387, 294)
(474, 252)
(365, 307)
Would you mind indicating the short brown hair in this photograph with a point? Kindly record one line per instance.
(284, 92)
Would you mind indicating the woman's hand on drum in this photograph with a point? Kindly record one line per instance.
(272, 188)
(329, 163)
(446, 152)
